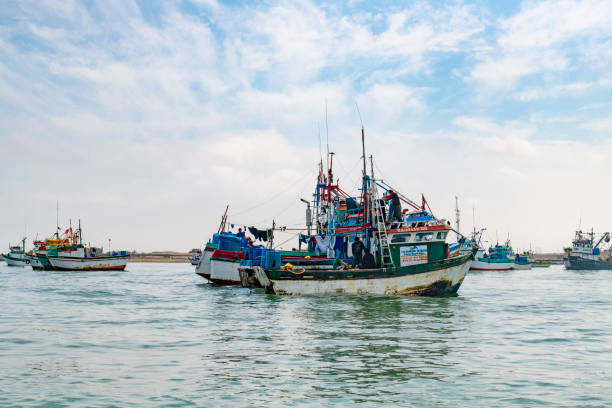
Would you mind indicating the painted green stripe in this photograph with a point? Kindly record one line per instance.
(276, 274)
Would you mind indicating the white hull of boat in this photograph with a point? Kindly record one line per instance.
(203, 268)
(405, 285)
(105, 263)
(10, 261)
(224, 272)
(478, 265)
(521, 267)
(34, 262)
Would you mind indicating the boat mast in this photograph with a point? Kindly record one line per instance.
(457, 216)
(365, 175)
(223, 219)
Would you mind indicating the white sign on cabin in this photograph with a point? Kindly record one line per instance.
(413, 255)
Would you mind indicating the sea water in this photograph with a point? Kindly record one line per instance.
(157, 335)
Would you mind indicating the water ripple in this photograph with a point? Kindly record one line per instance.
(157, 335)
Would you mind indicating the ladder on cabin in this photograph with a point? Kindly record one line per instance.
(379, 219)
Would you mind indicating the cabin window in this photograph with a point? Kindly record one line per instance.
(398, 238)
(441, 235)
(424, 236)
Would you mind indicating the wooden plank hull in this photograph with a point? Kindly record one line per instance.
(439, 279)
(104, 263)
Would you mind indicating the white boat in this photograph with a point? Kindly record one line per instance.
(203, 267)
(522, 262)
(91, 263)
(496, 260)
(74, 256)
(195, 259)
(16, 255)
(34, 262)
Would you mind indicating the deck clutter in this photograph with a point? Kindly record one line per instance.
(352, 244)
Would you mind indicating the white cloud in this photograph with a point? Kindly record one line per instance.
(547, 36)
(599, 125)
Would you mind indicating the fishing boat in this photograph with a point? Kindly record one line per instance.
(540, 264)
(203, 266)
(195, 259)
(69, 254)
(522, 262)
(498, 258)
(34, 261)
(586, 253)
(16, 255)
(405, 251)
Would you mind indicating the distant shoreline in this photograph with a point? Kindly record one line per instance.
(161, 257)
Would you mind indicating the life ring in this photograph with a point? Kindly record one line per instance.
(27, 261)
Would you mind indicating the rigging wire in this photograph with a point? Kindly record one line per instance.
(309, 172)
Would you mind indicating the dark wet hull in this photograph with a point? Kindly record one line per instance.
(577, 263)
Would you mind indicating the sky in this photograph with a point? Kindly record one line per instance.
(145, 119)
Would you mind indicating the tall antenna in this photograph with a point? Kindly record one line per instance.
(362, 140)
(57, 218)
(320, 149)
(474, 219)
(457, 215)
(327, 136)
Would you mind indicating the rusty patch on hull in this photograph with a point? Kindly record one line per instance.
(438, 288)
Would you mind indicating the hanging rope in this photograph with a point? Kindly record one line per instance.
(268, 200)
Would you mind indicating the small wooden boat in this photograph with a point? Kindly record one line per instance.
(16, 255)
(497, 259)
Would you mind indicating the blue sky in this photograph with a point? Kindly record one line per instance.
(145, 118)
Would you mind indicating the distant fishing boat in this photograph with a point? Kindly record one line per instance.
(16, 255)
(195, 259)
(71, 255)
(585, 253)
(406, 252)
(522, 262)
(540, 264)
(498, 258)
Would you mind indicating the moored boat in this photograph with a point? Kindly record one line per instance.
(195, 259)
(540, 264)
(586, 254)
(69, 254)
(522, 262)
(398, 252)
(16, 255)
(496, 259)
(203, 266)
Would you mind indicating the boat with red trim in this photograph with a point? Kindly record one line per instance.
(405, 251)
(68, 253)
